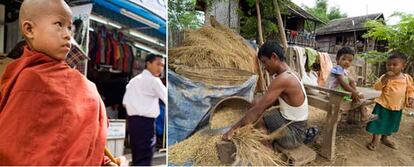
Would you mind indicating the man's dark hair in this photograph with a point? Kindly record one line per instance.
(270, 47)
(343, 51)
(397, 55)
(150, 58)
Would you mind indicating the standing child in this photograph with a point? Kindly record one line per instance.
(340, 80)
(397, 91)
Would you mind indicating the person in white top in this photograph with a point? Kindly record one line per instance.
(285, 89)
(141, 101)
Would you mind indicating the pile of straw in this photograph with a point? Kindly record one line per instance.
(198, 149)
(201, 149)
(213, 46)
(185, 150)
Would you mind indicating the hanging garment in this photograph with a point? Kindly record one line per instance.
(311, 54)
(326, 66)
(300, 61)
(109, 49)
(125, 61)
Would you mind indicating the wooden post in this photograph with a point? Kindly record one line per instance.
(280, 25)
(259, 23)
(332, 120)
(260, 42)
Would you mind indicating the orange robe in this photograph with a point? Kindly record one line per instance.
(50, 114)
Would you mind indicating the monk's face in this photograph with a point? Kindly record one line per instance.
(50, 31)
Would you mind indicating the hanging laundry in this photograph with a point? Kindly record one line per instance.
(300, 60)
(311, 54)
(326, 66)
(294, 34)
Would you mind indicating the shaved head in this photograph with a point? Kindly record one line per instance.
(31, 10)
(47, 26)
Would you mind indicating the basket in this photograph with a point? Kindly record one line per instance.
(236, 102)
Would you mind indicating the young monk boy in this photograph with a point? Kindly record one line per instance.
(50, 114)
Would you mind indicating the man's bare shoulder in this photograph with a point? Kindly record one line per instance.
(285, 78)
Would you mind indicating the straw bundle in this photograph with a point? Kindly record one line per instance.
(251, 151)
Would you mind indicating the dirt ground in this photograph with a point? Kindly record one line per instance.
(351, 144)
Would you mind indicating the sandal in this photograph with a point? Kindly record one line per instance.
(371, 146)
(389, 144)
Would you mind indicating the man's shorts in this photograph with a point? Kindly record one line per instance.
(294, 133)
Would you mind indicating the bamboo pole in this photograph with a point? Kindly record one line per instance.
(280, 25)
(259, 23)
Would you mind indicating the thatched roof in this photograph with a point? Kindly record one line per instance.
(345, 24)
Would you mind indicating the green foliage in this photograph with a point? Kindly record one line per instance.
(248, 20)
(372, 77)
(182, 15)
(335, 13)
(373, 56)
(399, 36)
(321, 11)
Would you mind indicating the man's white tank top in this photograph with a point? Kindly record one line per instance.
(291, 113)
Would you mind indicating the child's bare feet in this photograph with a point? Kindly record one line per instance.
(374, 143)
(386, 141)
(372, 146)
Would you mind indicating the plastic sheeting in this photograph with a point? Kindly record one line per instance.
(189, 101)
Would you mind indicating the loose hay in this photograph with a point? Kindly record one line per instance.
(185, 150)
(207, 154)
(201, 150)
(214, 46)
(251, 151)
(215, 76)
(224, 117)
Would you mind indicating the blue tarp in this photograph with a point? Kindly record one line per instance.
(189, 101)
